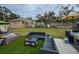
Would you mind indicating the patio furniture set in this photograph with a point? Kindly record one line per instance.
(33, 38)
(49, 46)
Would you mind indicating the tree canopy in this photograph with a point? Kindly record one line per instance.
(47, 17)
(8, 14)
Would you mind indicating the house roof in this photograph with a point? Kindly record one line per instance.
(15, 20)
(19, 20)
(2, 22)
(71, 15)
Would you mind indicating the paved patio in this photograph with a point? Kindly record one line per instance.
(65, 48)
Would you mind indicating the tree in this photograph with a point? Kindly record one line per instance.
(47, 17)
(38, 16)
(65, 10)
(8, 14)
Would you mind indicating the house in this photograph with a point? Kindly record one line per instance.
(72, 16)
(16, 23)
(70, 20)
(20, 23)
(38, 24)
(28, 22)
(4, 26)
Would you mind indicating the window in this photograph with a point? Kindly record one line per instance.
(22, 22)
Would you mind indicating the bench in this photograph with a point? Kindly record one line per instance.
(49, 47)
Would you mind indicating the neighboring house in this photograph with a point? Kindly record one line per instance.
(28, 23)
(71, 17)
(70, 20)
(41, 25)
(16, 23)
(20, 23)
(4, 26)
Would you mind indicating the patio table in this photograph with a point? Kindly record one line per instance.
(31, 41)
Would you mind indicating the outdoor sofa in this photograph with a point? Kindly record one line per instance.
(69, 36)
(49, 47)
(33, 37)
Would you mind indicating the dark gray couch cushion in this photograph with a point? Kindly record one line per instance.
(49, 47)
(37, 33)
(38, 36)
(48, 44)
(48, 51)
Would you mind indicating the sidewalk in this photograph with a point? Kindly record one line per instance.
(65, 48)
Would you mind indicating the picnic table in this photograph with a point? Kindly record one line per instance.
(76, 36)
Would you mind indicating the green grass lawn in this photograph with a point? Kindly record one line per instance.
(17, 47)
(55, 32)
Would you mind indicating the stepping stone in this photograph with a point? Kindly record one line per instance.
(65, 48)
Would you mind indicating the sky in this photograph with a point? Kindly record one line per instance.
(31, 10)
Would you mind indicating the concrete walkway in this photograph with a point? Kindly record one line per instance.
(65, 48)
